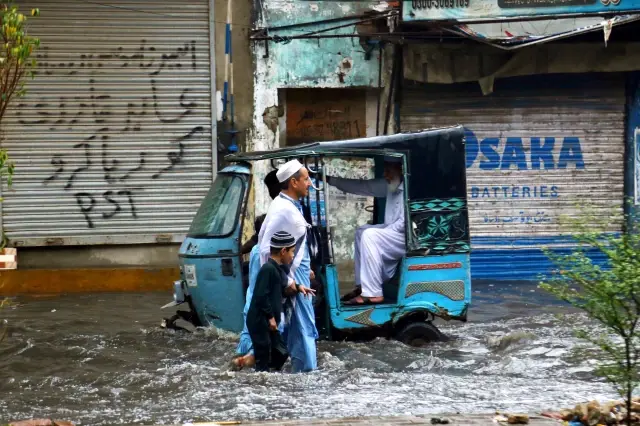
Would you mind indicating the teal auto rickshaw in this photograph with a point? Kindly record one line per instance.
(432, 280)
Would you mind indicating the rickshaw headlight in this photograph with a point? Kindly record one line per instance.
(178, 292)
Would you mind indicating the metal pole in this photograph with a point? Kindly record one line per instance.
(233, 147)
(213, 85)
(227, 42)
(327, 210)
(318, 212)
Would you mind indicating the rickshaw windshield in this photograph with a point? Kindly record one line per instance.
(218, 213)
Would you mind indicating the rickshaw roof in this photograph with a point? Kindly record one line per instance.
(390, 145)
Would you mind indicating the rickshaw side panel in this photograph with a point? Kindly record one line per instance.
(440, 285)
(442, 281)
(216, 289)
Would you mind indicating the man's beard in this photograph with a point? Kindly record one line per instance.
(394, 184)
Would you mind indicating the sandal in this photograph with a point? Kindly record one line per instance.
(363, 301)
(352, 294)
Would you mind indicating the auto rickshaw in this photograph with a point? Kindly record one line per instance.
(432, 280)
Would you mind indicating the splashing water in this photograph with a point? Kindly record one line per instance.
(102, 359)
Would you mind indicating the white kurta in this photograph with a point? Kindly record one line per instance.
(300, 330)
(283, 216)
(378, 248)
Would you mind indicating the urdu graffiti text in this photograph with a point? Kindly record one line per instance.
(103, 116)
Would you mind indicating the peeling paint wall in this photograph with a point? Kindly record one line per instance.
(313, 63)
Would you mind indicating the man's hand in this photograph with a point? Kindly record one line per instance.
(306, 291)
(312, 274)
(272, 324)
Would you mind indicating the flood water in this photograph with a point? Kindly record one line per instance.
(102, 359)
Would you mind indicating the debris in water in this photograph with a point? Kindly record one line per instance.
(41, 422)
(594, 413)
(512, 419)
(518, 419)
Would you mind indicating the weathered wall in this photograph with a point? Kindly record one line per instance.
(315, 63)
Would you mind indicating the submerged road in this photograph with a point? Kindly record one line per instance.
(102, 359)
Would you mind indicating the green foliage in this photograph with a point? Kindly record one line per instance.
(15, 54)
(610, 296)
(16, 62)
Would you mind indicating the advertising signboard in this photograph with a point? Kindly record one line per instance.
(500, 10)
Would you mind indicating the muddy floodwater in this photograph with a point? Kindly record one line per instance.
(102, 359)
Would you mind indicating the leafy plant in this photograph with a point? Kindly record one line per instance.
(16, 62)
(15, 54)
(610, 295)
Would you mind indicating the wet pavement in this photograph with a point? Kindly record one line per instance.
(102, 359)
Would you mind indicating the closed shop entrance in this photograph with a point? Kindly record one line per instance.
(536, 148)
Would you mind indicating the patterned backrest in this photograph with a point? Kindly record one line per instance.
(440, 225)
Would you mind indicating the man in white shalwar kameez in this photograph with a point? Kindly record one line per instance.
(285, 214)
(378, 248)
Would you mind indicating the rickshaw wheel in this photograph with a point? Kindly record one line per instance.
(419, 334)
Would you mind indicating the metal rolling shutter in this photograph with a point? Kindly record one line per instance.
(112, 143)
(535, 148)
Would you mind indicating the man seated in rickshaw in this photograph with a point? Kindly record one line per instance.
(378, 248)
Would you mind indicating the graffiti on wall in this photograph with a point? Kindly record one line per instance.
(325, 115)
(106, 115)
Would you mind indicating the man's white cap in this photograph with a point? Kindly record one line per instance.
(288, 169)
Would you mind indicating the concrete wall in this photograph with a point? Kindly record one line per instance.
(98, 257)
(313, 63)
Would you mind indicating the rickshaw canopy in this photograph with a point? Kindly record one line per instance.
(436, 180)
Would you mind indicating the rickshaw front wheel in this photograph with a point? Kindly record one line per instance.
(419, 334)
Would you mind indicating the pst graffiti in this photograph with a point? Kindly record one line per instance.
(109, 121)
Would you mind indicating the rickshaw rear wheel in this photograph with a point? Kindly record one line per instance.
(419, 334)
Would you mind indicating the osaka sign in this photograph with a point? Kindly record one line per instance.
(501, 10)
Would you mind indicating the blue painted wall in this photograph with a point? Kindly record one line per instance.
(326, 62)
(632, 175)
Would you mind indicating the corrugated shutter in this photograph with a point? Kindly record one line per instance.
(535, 148)
(112, 144)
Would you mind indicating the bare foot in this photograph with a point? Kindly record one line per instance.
(240, 362)
(249, 361)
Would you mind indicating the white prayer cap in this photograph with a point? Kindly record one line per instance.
(287, 170)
